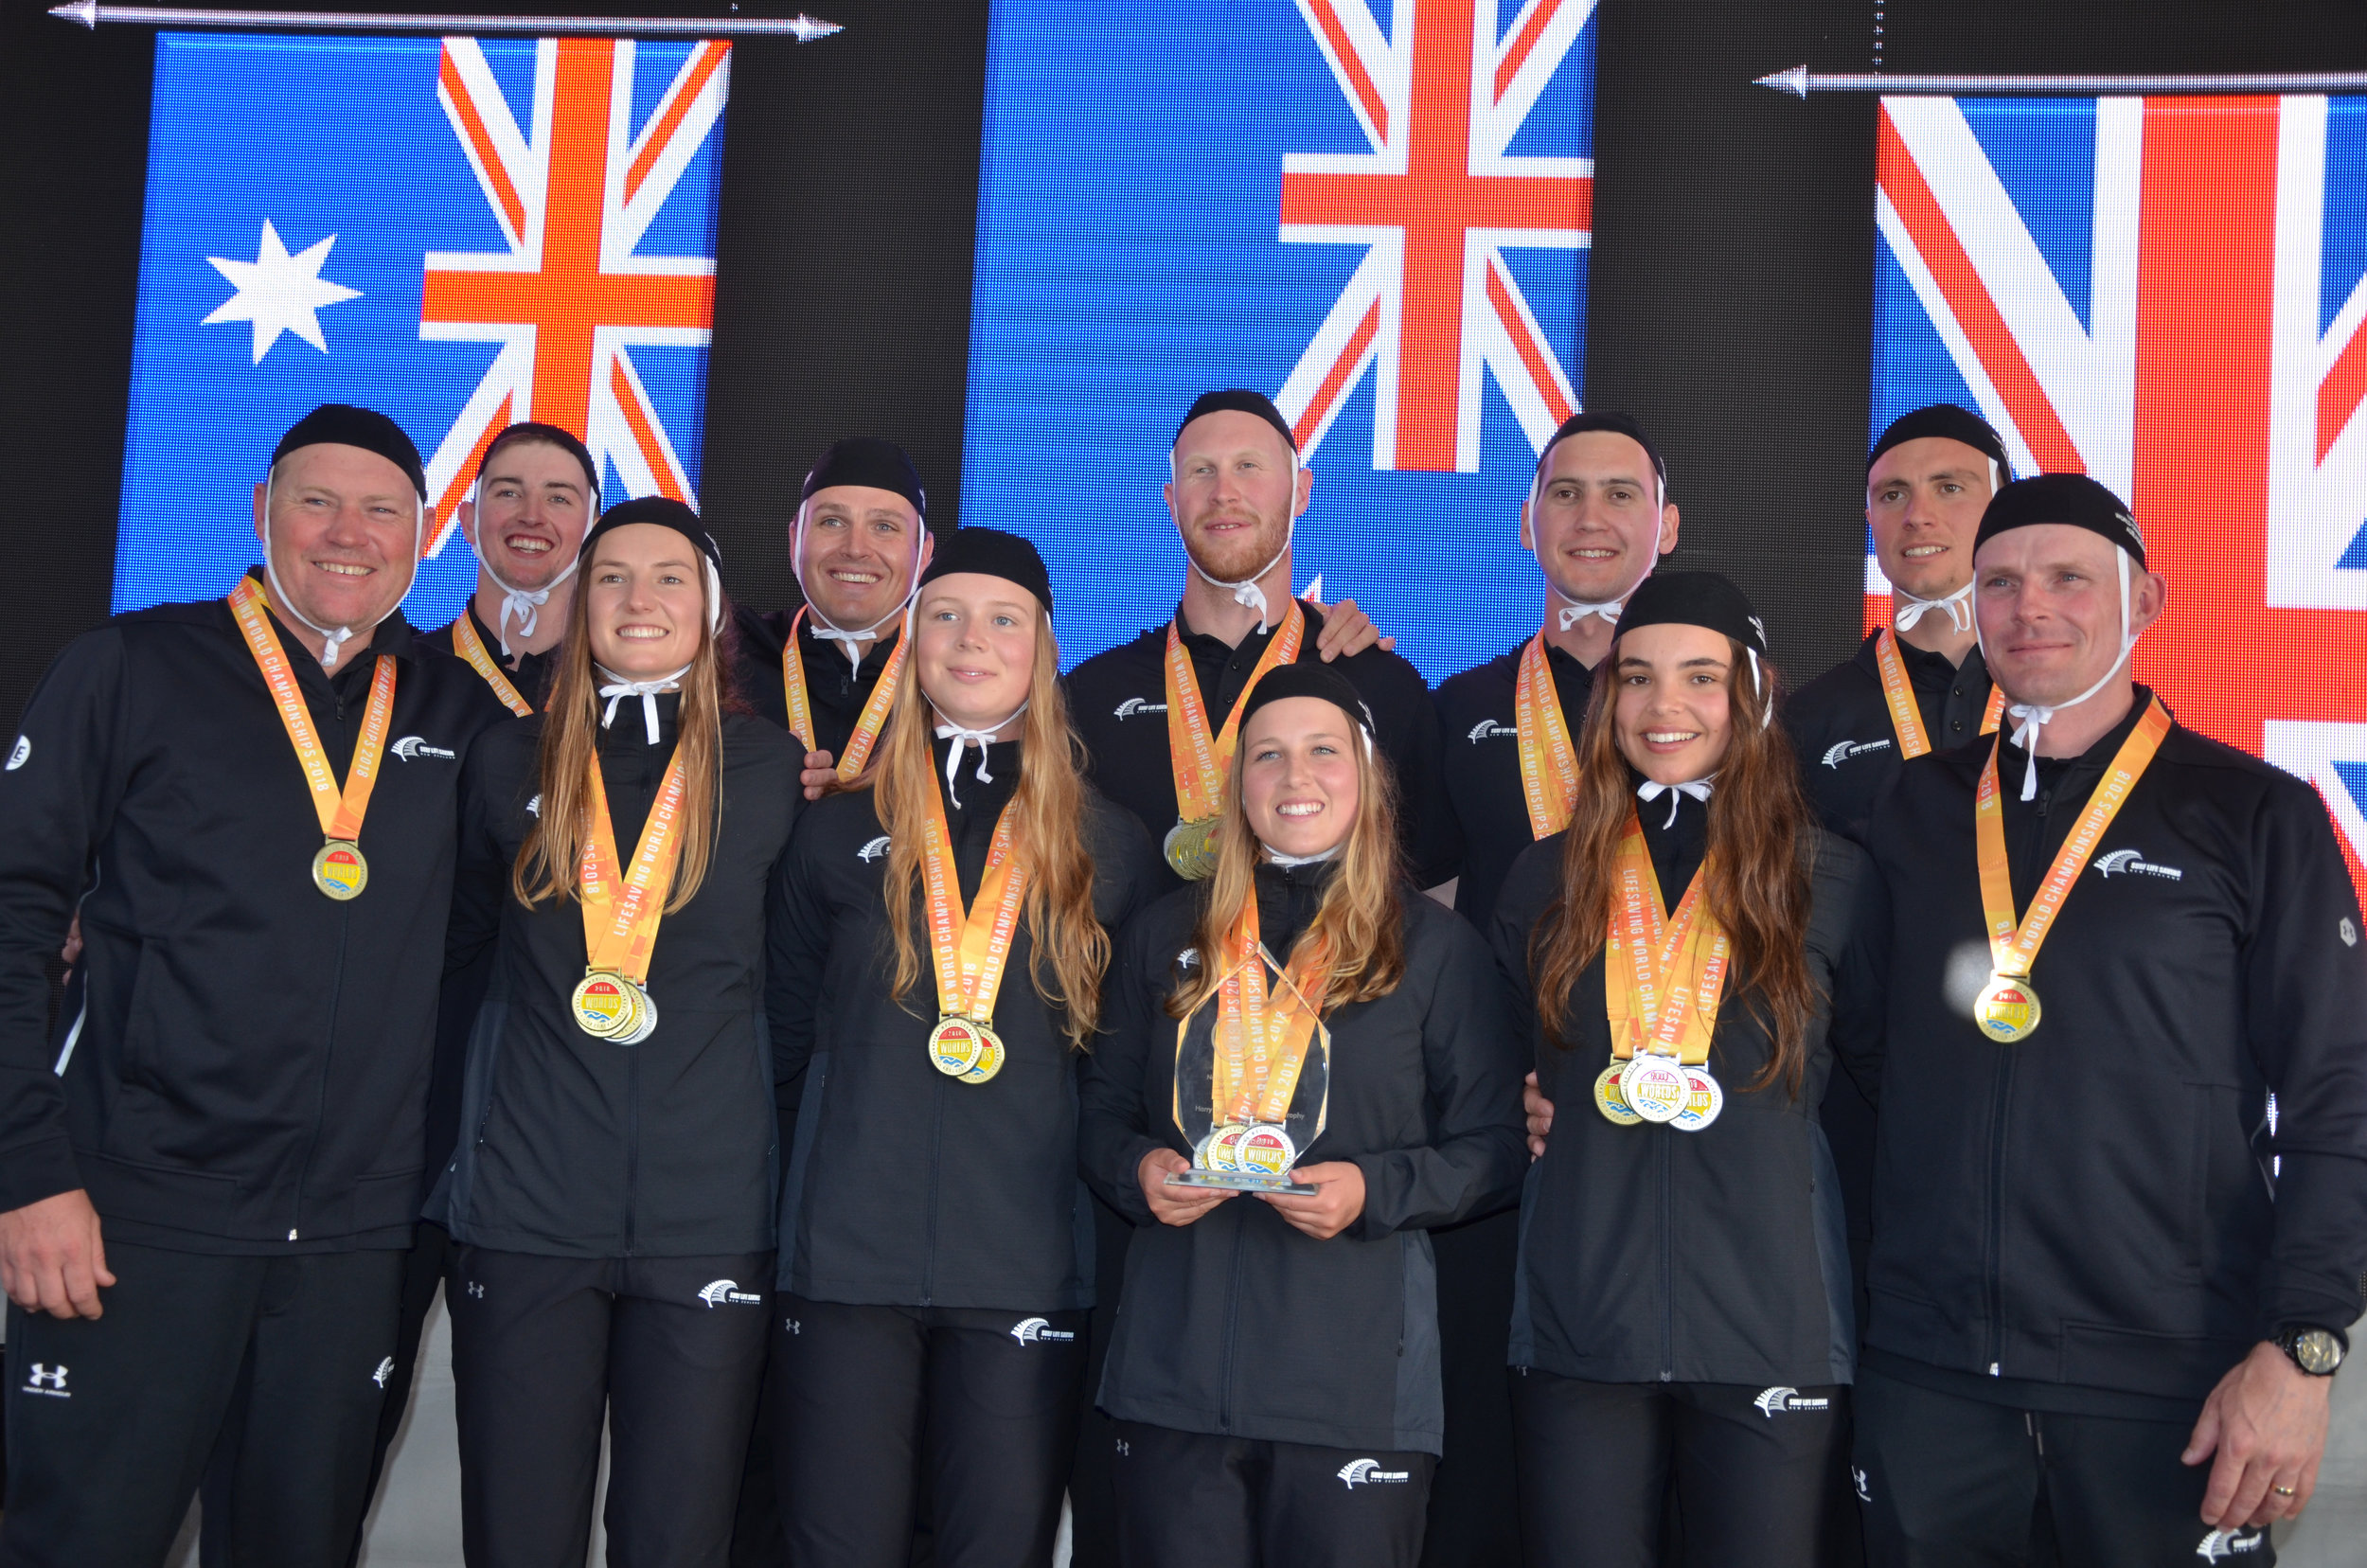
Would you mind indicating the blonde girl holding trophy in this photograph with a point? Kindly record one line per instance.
(1306, 1064)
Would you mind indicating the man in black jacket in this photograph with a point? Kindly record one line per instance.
(2121, 1181)
(208, 1180)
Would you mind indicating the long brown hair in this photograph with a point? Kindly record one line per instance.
(1759, 829)
(548, 862)
(1067, 949)
(1360, 916)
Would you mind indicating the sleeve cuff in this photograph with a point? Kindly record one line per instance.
(36, 1172)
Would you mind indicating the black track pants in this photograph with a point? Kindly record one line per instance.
(669, 1351)
(1751, 1470)
(270, 1368)
(1955, 1482)
(423, 1272)
(854, 1391)
(1474, 1504)
(1188, 1499)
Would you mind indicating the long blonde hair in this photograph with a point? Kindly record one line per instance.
(548, 862)
(1360, 916)
(1068, 950)
(1757, 887)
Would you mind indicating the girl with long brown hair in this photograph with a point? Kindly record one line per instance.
(1683, 1316)
(610, 1197)
(935, 974)
(1305, 1066)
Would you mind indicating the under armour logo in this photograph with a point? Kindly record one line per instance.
(1125, 1449)
(1865, 1494)
(43, 1379)
(792, 1326)
(2348, 932)
(385, 1370)
(477, 1290)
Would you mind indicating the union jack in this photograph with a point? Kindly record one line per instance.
(2202, 387)
(1436, 202)
(574, 192)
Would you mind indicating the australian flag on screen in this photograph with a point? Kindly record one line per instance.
(1376, 211)
(460, 233)
(2169, 294)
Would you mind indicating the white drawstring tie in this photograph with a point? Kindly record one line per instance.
(964, 738)
(1652, 789)
(1957, 605)
(619, 688)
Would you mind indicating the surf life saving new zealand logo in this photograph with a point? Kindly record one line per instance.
(1375, 211)
(2166, 294)
(459, 233)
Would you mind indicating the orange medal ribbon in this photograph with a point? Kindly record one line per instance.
(1549, 763)
(1905, 718)
(970, 946)
(1662, 980)
(339, 811)
(1263, 1049)
(1201, 760)
(622, 906)
(481, 659)
(2014, 944)
(867, 723)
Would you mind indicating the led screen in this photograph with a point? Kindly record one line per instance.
(2166, 293)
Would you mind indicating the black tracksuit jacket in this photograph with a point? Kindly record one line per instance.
(1841, 725)
(2100, 1206)
(1649, 1254)
(907, 1187)
(1239, 1325)
(836, 688)
(577, 1146)
(248, 1071)
(1479, 727)
(1118, 701)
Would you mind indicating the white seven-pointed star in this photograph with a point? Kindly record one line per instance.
(279, 292)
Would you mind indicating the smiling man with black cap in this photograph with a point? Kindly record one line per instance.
(2121, 1181)
(537, 489)
(1157, 713)
(826, 670)
(207, 1178)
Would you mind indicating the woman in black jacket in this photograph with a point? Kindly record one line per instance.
(612, 1194)
(1274, 1375)
(936, 969)
(1683, 1307)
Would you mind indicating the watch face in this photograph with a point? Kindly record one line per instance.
(2318, 1351)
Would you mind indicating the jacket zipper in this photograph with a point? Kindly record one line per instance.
(633, 1145)
(2001, 1099)
(1232, 1326)
(936, 1149)
(1668, 1262)
(336, 996)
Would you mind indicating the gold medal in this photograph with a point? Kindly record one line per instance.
(990, 1055)
(1607, 1098)
(956, 1047)
(339, 870)
(621, 911)
(1190, 849)
(2007, 1008)
(1704, 1099)
(1654, 1087)
(604, 1005)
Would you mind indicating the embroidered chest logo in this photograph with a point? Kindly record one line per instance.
(411, 748)
(2132, 863)
(721, 1292)
(1368, 1472)
(873, 850)
(1785, 1399)
(1035, 1330)
(1841, 751)
(1487, 729)
(1133, 706)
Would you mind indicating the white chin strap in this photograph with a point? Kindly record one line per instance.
(619, 688)
(821, 628)
(964, 738)
(1652, 789)
(1957, 606)
(1574, 610)
(1275, 857)
(1246, 591)
(526, 606)
(333, 638)
(2032, 717)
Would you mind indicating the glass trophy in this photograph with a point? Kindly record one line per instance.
(1245, 1154)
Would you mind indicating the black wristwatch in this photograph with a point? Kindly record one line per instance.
(2316, 1351)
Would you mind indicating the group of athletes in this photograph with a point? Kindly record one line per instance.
(891, 1090)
